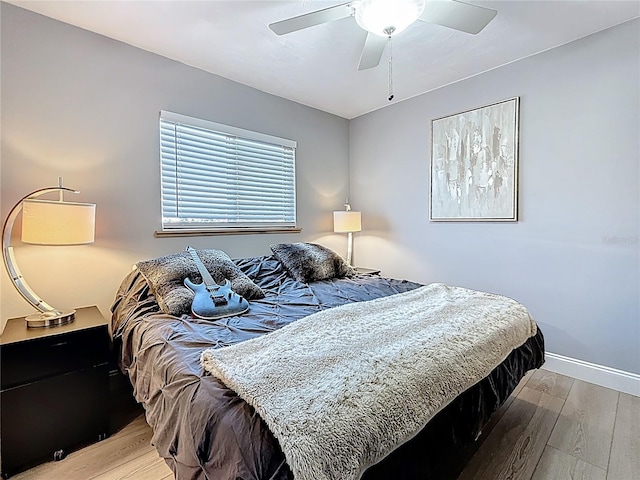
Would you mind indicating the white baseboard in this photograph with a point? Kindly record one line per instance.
(590, 372)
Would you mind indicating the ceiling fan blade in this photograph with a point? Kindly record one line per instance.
(372, 51)
(457, 15)
(312, 19)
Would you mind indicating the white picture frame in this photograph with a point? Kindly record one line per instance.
(474, 165)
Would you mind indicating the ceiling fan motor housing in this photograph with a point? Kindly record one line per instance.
(387, 17)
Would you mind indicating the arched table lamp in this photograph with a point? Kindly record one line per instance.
(46, 222)
(347, 221)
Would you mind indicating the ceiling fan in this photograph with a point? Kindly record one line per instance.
(384, 18)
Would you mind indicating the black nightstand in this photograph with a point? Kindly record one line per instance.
(366, 271)
(54, 389)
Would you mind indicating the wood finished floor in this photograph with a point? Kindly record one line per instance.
(552, 428)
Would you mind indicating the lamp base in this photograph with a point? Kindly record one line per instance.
(350, 249)
(50, 319)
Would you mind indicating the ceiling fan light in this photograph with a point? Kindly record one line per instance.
(387, 17)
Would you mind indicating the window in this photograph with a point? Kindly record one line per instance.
(221, 178)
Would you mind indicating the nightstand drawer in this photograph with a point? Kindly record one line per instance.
(56, 414)
(28, 361)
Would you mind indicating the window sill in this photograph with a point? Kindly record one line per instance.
(227, 231)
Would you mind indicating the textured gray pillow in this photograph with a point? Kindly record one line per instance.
(308, 262)
(165, 276)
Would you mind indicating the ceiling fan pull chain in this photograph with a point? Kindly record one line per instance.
(390, 70)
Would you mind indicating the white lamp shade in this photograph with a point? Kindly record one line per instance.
(376, 16)
(46, 222)
(345, 222)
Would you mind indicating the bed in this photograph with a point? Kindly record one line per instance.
(205, 430)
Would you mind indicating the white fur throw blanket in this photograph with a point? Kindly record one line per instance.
(342, 388)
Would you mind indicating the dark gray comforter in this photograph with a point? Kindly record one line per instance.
(205, 431)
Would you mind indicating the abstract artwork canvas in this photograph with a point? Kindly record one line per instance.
(474, 164)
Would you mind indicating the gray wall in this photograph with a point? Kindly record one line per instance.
(573, 258)
(86, 107)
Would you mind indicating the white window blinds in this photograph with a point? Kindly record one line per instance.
(217, 177)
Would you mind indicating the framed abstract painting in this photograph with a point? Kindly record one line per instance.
(474, 165)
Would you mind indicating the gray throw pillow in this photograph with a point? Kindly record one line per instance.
(308, 262)
(165, 276)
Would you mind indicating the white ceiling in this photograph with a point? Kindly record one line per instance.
(318, 66)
